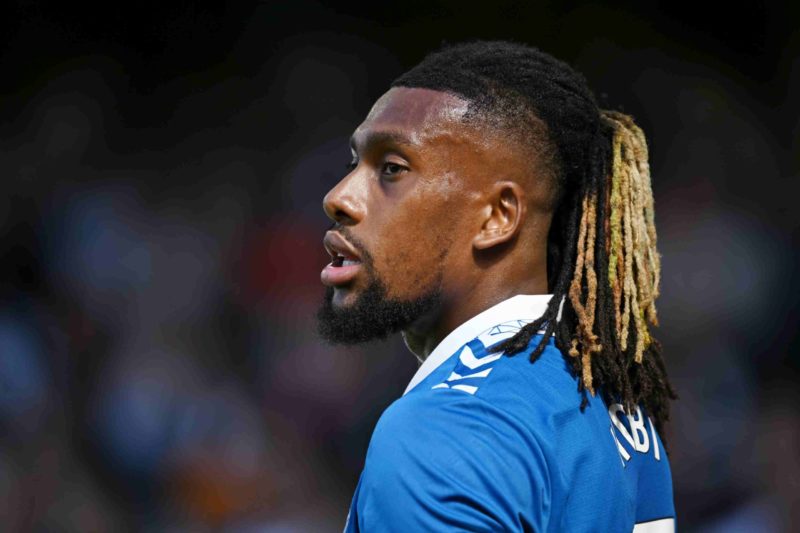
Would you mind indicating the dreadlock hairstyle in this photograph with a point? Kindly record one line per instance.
(602, 264)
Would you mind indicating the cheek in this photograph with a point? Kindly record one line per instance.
(413, 256)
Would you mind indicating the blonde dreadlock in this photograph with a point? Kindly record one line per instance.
(634, 266)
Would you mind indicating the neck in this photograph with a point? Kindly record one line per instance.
(429, 330)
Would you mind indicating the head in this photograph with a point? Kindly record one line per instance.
(446, 188)
(488, 168)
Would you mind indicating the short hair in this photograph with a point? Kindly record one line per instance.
(602, 261)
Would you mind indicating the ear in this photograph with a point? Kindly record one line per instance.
(502, 215)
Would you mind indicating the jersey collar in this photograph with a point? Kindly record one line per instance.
(525, 307)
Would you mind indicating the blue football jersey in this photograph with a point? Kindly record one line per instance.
(485, 442)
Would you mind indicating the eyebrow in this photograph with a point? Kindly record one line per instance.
(383, 137)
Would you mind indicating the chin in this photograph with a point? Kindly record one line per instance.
(343, 297)
(348, 316)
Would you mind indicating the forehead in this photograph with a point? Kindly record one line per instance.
(415, 113)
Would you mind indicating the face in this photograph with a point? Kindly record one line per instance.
(400, 239)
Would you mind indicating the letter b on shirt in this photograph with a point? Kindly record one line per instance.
(635, 432)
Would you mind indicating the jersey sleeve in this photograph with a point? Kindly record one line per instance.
(446, 460)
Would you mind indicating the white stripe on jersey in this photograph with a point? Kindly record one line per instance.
(665, 525)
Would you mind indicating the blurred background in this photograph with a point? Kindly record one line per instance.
(163, 166)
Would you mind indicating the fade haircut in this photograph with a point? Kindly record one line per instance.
(602, 261)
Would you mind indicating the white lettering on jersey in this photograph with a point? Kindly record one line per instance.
(623, 453)
(637, 438)
(655, 440)
(641, 441)
(612, 412)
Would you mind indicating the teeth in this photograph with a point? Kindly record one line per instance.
(349, 262)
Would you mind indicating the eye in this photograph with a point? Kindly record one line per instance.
(392, 169)
(351, 166)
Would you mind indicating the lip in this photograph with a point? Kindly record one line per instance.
(335, 244)
(336, 275)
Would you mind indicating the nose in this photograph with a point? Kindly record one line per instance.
(342, 203)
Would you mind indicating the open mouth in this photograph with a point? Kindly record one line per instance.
(340, 271)
(344, 265)
(342, 261)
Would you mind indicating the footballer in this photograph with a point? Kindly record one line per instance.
(503, 223)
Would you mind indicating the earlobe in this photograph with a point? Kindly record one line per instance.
(502, 215)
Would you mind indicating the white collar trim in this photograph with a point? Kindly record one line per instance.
(526, 307)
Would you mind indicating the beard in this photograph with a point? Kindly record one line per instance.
(372, 316)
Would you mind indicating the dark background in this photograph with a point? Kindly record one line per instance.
(163, 166)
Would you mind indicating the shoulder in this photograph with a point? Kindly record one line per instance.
(449, 457)
(536, 392)
(481, 397)
(456, 409)
(451, 426)
(496, 384)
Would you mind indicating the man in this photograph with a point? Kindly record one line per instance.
(504, 224)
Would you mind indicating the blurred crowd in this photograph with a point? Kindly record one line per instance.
(159, 366)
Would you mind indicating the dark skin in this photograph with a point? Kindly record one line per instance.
(436, 200)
